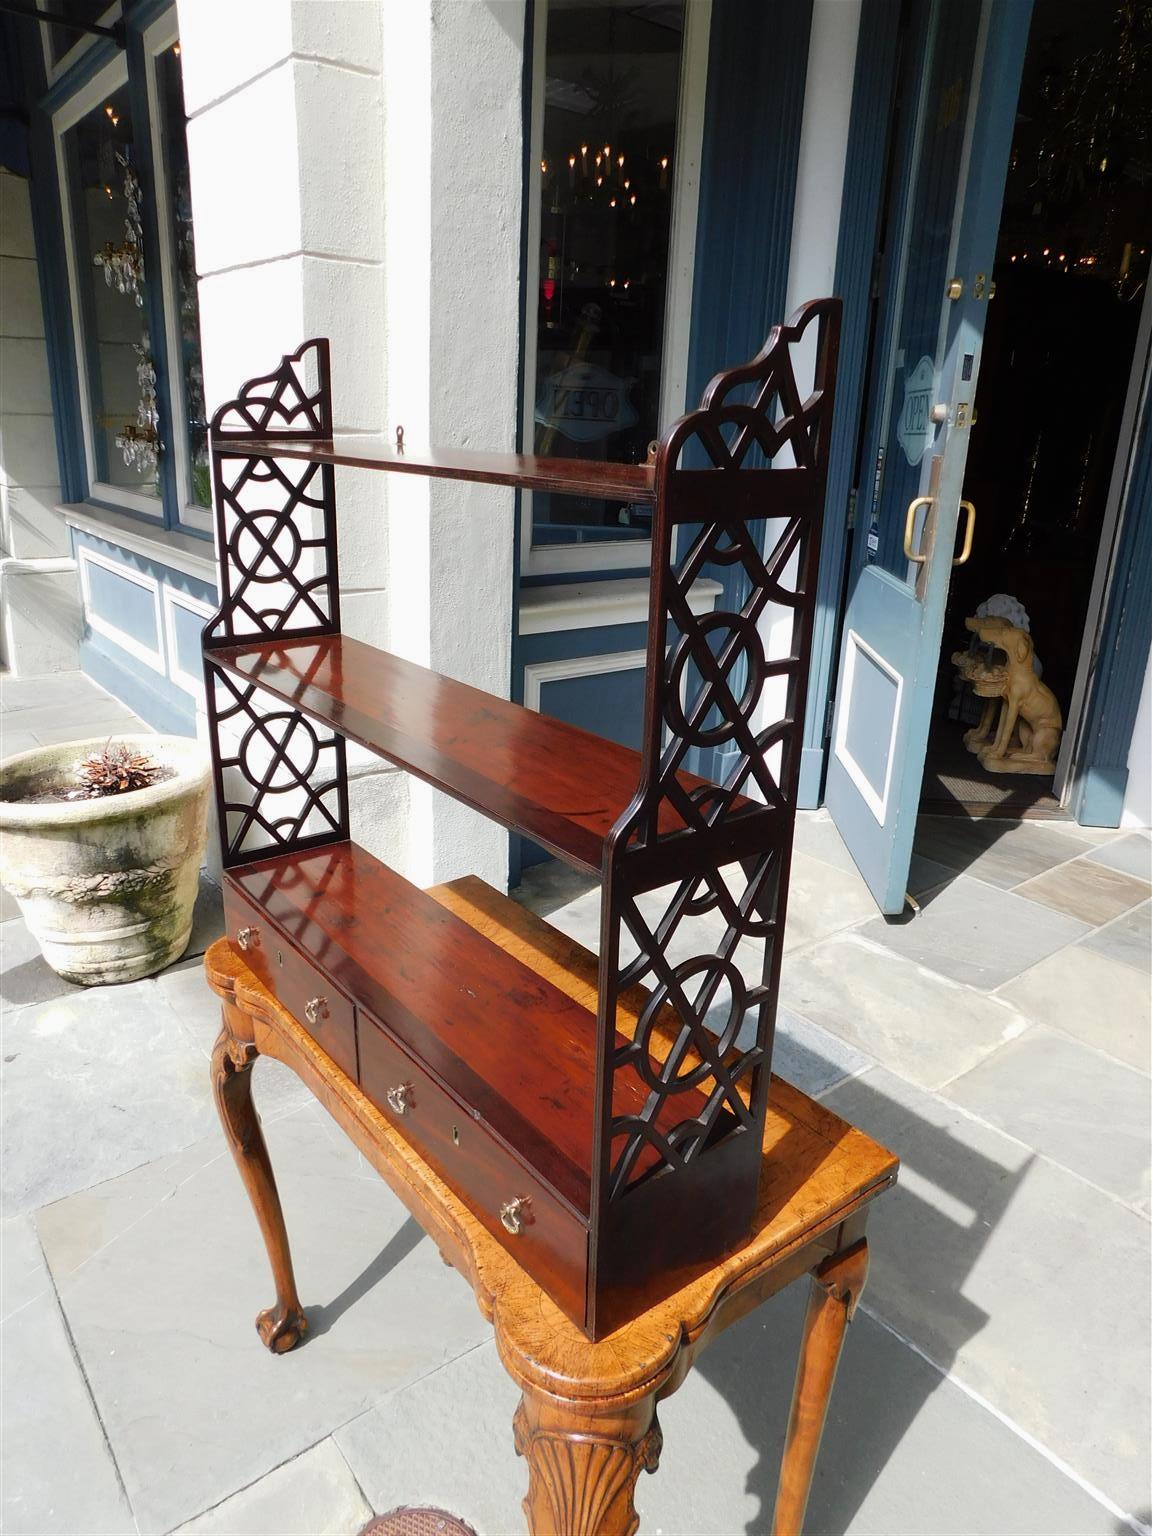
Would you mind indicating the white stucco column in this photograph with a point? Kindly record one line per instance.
(356, 174)
(453, 134)
(285, 143)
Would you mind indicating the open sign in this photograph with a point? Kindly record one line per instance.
(586, 402)
(915, 426)
(569, 404)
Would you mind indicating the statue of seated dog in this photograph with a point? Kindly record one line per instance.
(1028, 732)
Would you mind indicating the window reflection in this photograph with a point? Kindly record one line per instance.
(188, 383)
(611, 83)
(109, 258)
(64, 34)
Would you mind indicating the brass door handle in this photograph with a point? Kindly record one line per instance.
(910, 526)
(969, 530)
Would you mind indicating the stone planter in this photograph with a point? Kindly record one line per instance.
(106, 886)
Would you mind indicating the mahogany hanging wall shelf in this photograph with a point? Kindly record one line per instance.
(611, 1175)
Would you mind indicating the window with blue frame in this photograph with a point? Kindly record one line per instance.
(60, 37)
(178, 266)
(114, 348)
(122, 164)
(608, 140)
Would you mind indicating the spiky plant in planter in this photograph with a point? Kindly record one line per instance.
(116, 769)
(101, 844)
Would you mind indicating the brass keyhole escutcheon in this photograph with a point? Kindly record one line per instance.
(514, 1214)
(455, 1135)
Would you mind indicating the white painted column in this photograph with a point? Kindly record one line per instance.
(285, 107)
(356, 174)
(453, 165)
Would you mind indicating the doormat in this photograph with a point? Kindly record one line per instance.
(412, 1521)
(956, 784)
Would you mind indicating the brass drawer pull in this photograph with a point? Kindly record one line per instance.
(316, 1010)
(248, 938)
(514, 1214)
(398, 1098)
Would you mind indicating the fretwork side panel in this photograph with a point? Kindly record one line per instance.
(698, 916)
(281, 780)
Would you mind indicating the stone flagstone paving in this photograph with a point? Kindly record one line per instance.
(996, 1379)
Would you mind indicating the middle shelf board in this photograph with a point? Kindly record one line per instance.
(506, 1041)
(525, 471)
(559, 785)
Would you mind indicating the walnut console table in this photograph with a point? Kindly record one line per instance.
(587, 1421)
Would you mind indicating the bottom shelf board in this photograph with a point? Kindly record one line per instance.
(511, 1047)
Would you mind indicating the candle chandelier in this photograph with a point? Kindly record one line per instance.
(123, 264)
(139, 441)
(604, 173)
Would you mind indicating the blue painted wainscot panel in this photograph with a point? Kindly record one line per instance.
(122, 600)
(184, 640)
(602, 703)
(140, 641)
(610, 703)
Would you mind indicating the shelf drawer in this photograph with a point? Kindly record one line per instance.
(551, 1242)
(304, 990)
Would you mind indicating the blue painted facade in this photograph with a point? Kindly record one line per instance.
(757, 56)
(610, 703)
(141, 616)
(756, 81)
(753, 114)
(135, 602)
(44, 103)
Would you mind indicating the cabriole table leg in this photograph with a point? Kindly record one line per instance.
(583, 1464)
(283, 1326)
(836, 1287)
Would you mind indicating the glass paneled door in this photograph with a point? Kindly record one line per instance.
(959, 84)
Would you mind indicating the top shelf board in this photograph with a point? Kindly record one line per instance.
(563, 477)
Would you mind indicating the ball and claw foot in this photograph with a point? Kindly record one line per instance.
(281, 1328)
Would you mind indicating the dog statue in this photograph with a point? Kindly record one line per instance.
(1028, 732)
